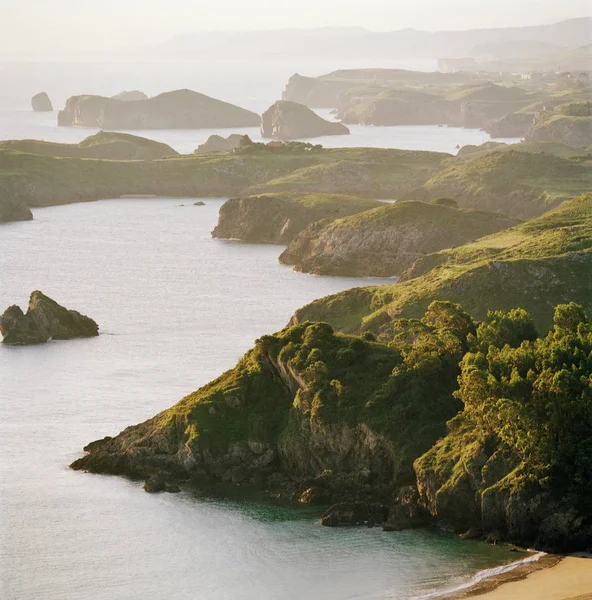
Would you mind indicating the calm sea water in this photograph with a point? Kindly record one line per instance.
(176, 308)
(252, 85)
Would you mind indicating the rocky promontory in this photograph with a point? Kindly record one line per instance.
(180, 109)
(277, 218)
(41, 103)
(322, 418)
(386, 241)
(45, 319)
(286, 120)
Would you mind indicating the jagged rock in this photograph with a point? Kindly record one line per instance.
(180, 109)
(13, 210)
(45, 319)
(217, 143)
(407, 512)
(355, 513)
(199, 203)
(286, 120)
(41, 103)
(130, 96)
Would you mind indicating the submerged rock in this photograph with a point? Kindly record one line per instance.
(287, 120)
(41, 103)
(45, 319)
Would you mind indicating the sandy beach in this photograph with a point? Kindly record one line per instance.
(550, 578)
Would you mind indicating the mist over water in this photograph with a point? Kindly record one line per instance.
(176, 309)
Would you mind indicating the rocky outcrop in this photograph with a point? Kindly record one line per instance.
(217, 143)
(45, 319)
(278, 218)
(181, 109)
(130, 96)
(315, 92)
(264, 424)
(286, 120)
(13, 210)
(511, 125)
(41, 103)
(386, 241)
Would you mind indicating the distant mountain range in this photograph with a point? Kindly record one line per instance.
(359, 43)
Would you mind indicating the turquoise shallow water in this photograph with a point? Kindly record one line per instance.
(176, 308)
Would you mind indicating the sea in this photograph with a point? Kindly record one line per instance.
(176, 308)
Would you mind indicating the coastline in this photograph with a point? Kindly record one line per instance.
(540, 577)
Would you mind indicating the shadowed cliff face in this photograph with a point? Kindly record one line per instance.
(303, 404)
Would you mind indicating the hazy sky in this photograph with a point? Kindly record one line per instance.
(53, 26)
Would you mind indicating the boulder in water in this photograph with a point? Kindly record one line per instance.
(45, 319)
(41, 103)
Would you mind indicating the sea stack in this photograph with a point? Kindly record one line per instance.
(45, 319)
(41, 103)
(286, 120)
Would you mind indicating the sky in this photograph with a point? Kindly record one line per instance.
(44, 27)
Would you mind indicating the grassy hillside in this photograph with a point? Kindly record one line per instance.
(387, 240)
(516, 183)
(535, 265)
(39, 180)
(105, 144)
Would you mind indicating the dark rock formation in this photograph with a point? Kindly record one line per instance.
(13, 210)
(287, 120)
(217, 143)
(181, 109)
(45, 319)
(41, 103)
(130, 96)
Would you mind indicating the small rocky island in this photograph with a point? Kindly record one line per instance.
(45, 319)
(41, 103)
(286, 120)
(179, 109)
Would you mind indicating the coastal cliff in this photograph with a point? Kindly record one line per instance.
(287, 120)
(320, 417)
(180, 109)
(570, 124)
(277, 218)
(387, 240)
